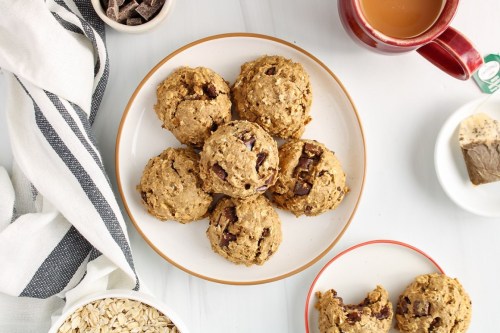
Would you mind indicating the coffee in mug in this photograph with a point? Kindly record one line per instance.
(396, 26)
(401, 18)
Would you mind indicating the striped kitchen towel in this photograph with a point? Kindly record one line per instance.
(61, 230)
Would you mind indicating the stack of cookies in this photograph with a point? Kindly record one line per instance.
(238, 161)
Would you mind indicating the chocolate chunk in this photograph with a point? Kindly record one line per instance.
(312, 150)
(250, 142)
(214, 127)
(134, 21)
(147, 11)
(144, 196)
(383, 314)
(230, 214)
(261, 157)
(302, 188)
(421, 308)
(266, 232)
(305, 163)
(127, 10)
(247, 186)
(112, 10)
(436, 322)
(271, 71)
(210, 91)
(402, 307)
(353, 317)
(303, 175)
(219, 171)
(226, 238)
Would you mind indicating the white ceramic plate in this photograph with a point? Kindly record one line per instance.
(305, 240)
(120, 293)
(358, 270)
(451, 171)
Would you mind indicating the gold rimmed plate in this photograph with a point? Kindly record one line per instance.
(306, 239)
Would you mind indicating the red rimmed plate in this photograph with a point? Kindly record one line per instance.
(305, 240)
(359, 269)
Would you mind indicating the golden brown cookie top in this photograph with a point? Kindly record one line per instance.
(276, 93)
(311, 180)
(245, 231)
(240, 160)
(170, 186)
(373, 315)
(192, 103)
(434, 303)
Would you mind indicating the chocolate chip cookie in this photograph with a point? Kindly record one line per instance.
(434, 303)
(192, 103)
(274, 92)
(311, 180)
(170, 186)
(245, 231)
(240, 160)
(373, 315)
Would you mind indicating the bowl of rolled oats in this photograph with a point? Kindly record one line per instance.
(118, 311)
(133, 16)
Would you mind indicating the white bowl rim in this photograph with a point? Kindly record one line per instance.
(121, 293)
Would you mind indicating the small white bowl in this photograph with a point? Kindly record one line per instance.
(119, 293)
(162, 14)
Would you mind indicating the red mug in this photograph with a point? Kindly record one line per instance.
(441, 44)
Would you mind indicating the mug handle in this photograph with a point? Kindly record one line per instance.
(453, 53)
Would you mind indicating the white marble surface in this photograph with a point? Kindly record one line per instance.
(402, 101)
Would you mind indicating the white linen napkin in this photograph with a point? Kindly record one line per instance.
(61, 230)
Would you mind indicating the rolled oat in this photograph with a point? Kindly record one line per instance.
(113, 315)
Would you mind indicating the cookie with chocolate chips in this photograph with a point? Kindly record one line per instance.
(373, 315)
(274, 92)
(311, 180)
(240, 160)
(170, 186)
(245, 231)
(433, 303)
(192, 103)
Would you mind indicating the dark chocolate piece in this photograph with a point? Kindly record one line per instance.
(112, 10)
(147, 11)
(219, 171)
(127, 11)
(302, 188)
(134, 21)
